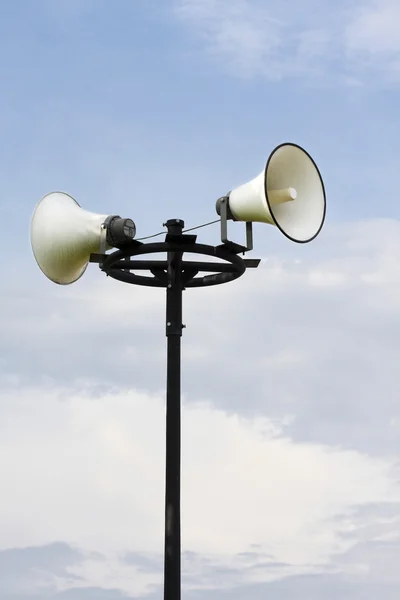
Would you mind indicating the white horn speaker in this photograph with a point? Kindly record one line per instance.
(289, 193)
(64, 235)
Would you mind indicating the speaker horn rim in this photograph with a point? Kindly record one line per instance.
(270, 208)
(33, 250)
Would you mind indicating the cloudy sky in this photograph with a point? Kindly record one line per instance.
(152, 109)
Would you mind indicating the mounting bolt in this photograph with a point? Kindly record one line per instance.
(169, 324)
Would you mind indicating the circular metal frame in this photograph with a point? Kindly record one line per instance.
(119, 265)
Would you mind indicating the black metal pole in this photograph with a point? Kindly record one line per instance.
(180, 274)
(172, 548)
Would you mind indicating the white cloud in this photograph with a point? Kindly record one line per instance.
(253, 38)
(89, 471)
(299, 363)
(374, 29)
(306, 38)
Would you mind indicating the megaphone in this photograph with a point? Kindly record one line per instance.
(289, 193)
(64, 235)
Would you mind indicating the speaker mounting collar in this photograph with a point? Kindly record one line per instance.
(121, 265)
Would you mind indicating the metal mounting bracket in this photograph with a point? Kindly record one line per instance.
(225, 217)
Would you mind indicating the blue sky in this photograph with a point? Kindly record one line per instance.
(153, 110)
(147, 86)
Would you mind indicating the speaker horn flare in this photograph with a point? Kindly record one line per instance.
(289, 193)
(64, 235)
